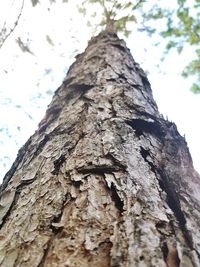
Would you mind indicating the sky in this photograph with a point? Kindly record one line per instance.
(27, 80)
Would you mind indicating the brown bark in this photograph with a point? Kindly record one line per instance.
(105, 180)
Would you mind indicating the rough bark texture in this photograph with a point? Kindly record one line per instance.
(105, 180)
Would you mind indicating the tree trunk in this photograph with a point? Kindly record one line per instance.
(105, 180)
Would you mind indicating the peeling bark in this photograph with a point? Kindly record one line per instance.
(105, 180)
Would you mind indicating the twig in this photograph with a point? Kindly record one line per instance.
(13, 28)
(137, 4)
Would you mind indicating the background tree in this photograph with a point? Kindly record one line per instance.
(104, 179)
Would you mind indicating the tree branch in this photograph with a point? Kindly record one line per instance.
(138, 3)
(12, 29)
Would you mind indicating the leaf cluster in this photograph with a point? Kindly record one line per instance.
(182, 28)
(115, 14)
(181, 23)
(36, 2)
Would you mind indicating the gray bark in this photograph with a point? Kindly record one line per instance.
(105, 180)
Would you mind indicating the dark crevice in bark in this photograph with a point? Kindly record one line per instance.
(111, 80)
(55, 229)
(145, 82)
(57, 164)
(98, 169)
(119, 46)
(76, 184)
(174, 203)
(141, 126)
(45, 253)
(164, 249)
(81, 87)
(112, 109)
(170, 254)
(172, 197)
(119, 204)
(145, 153)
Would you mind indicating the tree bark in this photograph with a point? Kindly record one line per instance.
(105, 180)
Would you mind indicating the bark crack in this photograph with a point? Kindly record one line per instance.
(145, 154)
(141, 126)
(170, 254)
(57, 164)
(46, 250)
(119, 203)
(98, 169)
(172, 197)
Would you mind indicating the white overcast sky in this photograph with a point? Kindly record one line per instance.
(23, 76)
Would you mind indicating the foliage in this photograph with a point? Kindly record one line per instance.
(35, 2)
(178, 22)
(110, 10)
(182, 28)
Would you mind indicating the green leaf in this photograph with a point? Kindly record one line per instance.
(89, 23)
(181, 2)
(34, 2)
(171, 44)
(94, 14)
(49, 40)
(82, 10)
(118, 6)
(18, 106)
(127, 33)
(195, 88)
(132, 18)
(127, 5)
(179, 49)
(93, 1)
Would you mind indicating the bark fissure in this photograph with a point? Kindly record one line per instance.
(45, 253)
(172, 197)
(116, 198)
(142, 126)
(170, 254)
(173, 202)
(146, 154)
(57, 164)
(98, 169)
